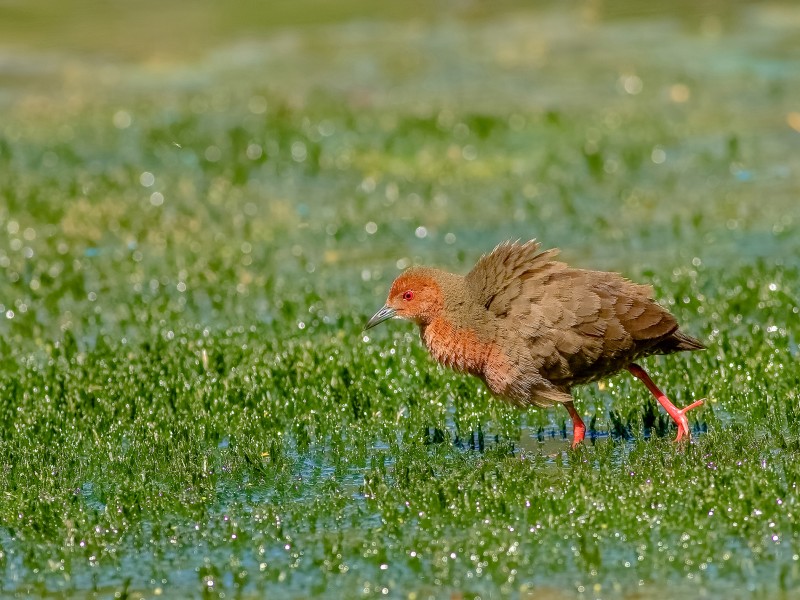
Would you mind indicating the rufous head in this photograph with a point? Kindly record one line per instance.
(415, 295)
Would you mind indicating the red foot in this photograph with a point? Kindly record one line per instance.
(678, 414)
(578, 428)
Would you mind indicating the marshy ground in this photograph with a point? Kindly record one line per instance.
(199, 210)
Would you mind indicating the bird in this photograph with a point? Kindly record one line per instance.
(533, 327)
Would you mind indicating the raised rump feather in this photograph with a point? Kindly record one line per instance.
(507, 263)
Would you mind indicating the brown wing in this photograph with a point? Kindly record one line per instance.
(594, 323)
(497, 277)
(578, 325)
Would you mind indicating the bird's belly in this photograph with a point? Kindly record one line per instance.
(579, 372)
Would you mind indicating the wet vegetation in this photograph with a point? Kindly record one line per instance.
(189, 250)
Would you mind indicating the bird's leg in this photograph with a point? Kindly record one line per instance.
(678, 414)
(578, 428)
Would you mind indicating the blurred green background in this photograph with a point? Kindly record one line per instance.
(200, 205)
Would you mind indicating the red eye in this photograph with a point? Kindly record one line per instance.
(408, 295)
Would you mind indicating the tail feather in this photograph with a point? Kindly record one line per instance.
(680, 342)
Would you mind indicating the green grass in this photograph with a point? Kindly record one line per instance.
(188, 405)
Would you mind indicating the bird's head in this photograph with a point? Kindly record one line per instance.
(415, 295)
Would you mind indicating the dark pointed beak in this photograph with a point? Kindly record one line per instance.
(387, 312)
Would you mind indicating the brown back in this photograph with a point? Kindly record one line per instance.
(578, 325)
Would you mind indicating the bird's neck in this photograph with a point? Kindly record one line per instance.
(455, 346)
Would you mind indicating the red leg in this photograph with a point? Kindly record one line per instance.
(677, 414)
(578, 428)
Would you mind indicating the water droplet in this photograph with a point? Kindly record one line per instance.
(299, 151)
(213, 154)
(632, 84)
(122, 119)
(679, 93)
(254, 151)
(658, 156)
(147, 179)
(257, 105)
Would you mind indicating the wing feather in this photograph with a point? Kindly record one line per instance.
(576, 325)
(500, 276)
